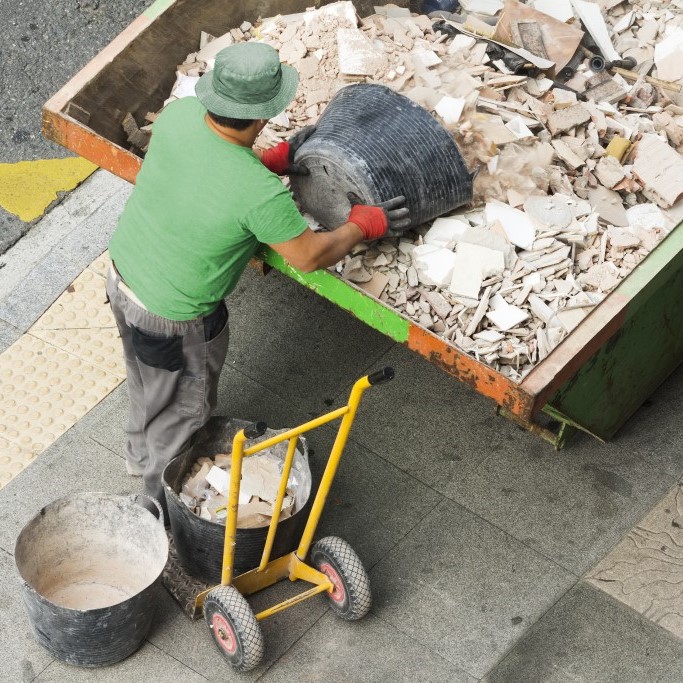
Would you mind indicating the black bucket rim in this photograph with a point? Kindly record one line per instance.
(66, 498)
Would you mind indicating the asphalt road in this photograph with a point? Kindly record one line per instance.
(44, 44)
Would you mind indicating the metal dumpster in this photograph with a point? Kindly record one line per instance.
(594, 380)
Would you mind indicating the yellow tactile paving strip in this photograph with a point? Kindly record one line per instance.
(27, 188)
(58, 371)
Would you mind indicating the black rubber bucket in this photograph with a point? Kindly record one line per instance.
(199, 542)
(372, 141)
(89, 565)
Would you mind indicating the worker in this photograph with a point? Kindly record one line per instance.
(203, 201)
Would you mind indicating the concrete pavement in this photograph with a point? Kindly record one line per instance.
(488, 552)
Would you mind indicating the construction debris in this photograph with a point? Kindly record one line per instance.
(205, 489)
(573, 120)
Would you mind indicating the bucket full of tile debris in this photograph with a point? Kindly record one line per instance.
(90, 564)
(379, 144)
(196, 486)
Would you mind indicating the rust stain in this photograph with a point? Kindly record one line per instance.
(471, 372)
(73, 135)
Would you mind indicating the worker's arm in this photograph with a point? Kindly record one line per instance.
(312, 250)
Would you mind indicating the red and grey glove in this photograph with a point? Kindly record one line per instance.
(375, 220)
(280, 159)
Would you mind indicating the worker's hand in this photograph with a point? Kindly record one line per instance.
(280, 159)
(295, 142)
(375, 220)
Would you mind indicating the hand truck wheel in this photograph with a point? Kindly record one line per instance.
(234, 627)
(334, 557)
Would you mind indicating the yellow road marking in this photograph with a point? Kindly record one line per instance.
(27, 188)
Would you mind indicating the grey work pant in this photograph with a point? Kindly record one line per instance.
(172, 372)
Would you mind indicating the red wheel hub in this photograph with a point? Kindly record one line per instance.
(223, 633)
(338, 594)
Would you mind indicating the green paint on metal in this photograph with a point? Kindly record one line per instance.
(647, 348)
(156, 8)
(337, 291)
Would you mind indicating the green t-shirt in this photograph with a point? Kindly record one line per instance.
(199, 208)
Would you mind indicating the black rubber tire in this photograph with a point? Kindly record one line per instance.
(234, 628)
(335, 558)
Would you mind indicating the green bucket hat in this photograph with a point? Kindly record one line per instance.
(248, 82)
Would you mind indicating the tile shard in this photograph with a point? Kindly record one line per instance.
(503, 315)
(517, 225)
(660, 169)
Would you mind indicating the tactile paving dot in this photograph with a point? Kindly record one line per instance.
(82, 306)
(101, 264)
(13, 459)
(44, 391)
(99, 346)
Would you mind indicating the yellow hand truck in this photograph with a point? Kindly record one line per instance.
(334, 567)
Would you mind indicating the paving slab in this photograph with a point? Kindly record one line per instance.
(589, 638)
(21, 657)
(70, 465)
(8, 335)
(464, 589)
(67, 220)
(369, 650)
(305, 351)
(372, 504)
(147, 664)
(30, 285)
(191, 643)
(571, 506)
(645, 570)
(424, 417)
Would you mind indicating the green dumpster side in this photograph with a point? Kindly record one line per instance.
(646, 349)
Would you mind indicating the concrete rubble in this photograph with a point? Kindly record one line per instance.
(579, 172)
(205, 489)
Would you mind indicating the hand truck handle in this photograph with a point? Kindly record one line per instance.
(255, 429)
(383, 375)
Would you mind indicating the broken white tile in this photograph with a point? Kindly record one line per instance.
(184, 86)
(669, 56)
(540, 309)
(489, 336)
(473, 264)
(426, 56)
(517, 225)
(591, 16)
(219, 479)
(445, 231)
(660, 169)
(441, 307)
(518, 128)
(503, 315)
(624, 22)
(609, 171)
(558, 9)
(548, 212)
(487, 7)
(461, 43)
(607, 204)
(358, 56)
(646, 217)
(450, 109)
(211, 49)
(434, 265)
(563, 98)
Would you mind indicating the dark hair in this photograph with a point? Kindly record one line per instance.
(226, 122)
